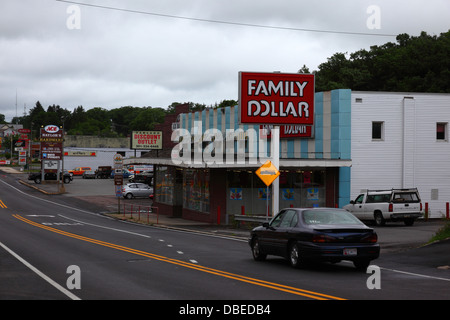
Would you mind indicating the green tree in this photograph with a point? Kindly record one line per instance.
(418, 64)
(147, 118)
(121, 119)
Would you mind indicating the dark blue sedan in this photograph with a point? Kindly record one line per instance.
(303, 235)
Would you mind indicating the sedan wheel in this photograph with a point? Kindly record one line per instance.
(294, 256)
(256, 251)
(129, 196)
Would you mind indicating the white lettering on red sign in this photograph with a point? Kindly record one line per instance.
(51, 129)
(284, 89)
(276, 98)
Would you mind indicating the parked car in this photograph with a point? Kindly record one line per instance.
(133, 190)
(78, 171)
(315, 234)
(90, 174)
(125, 173)
(68, 173)
(103, 172)
(37, 177)
(144, 177)
(387, 205)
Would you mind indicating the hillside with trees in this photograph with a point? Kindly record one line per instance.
(413, 64)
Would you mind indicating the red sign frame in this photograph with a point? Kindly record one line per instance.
(276, 98)
(51, 143)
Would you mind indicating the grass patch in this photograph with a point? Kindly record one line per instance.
(442, 234)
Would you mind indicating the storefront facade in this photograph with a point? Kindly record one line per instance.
(314, 164)
(359, 141)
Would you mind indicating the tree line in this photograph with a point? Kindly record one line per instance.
(412, 64)
(118, 122)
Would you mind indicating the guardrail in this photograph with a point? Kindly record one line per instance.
(257, 219)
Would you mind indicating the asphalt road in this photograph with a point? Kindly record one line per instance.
(50, 245)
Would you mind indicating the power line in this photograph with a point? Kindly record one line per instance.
(242, 24)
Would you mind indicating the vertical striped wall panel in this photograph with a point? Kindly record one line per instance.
(331, 140)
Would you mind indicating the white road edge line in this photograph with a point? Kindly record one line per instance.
(415, 274)
(39, 273)
(406, 272)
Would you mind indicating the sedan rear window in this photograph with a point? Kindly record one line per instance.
(329, 217)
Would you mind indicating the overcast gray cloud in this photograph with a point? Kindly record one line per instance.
(120, 58)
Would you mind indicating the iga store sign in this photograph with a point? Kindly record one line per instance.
(276, 98)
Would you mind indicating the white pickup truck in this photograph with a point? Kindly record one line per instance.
(387, 205)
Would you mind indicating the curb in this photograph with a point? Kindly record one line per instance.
(38, 189)
(181, 229)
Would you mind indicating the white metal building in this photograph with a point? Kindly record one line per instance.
(401, 140)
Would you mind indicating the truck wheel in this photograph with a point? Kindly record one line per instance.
(379, 220)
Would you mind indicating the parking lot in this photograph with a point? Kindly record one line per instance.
(98, 191)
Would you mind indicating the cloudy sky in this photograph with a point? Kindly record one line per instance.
(113, 53)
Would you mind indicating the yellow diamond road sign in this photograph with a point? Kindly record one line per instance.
(268, 173)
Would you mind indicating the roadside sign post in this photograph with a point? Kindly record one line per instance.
(118, 177)
(268, 173)
(275, 153)
(51, 139)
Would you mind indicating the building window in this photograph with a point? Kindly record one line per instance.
(164, 185)
(377, 130)
(441, 131)
(196, 190)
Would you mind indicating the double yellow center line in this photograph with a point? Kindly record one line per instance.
(2, 205)
(262, 283)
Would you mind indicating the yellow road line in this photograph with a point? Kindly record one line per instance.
(271, 285)
(3, 205)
